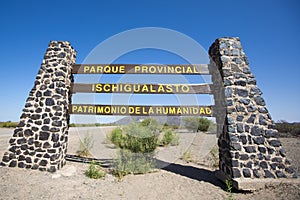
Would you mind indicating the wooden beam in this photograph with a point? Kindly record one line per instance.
(141, 88)
(141, 110)
(192, 69)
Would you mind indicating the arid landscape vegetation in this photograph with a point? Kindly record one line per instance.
(180, 164)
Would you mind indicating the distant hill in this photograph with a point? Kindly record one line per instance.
(171, 120)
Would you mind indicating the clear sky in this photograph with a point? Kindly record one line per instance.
(269, 31)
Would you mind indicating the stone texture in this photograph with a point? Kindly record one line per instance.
(254, 150)
(32, 138)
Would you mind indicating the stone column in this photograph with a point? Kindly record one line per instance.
(41, 138)
(249, 149)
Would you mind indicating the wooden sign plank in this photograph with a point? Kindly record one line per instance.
(194, 69)
(141, 88)
(140, 110)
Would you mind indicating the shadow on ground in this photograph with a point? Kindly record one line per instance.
(183, 170)
(191, 172)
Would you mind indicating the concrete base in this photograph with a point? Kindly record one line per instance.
(248, 184)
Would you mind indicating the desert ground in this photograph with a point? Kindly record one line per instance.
(178, 179)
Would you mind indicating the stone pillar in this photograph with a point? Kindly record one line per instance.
(250, 152)
(41, 138)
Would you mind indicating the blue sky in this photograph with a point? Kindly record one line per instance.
(269, 32)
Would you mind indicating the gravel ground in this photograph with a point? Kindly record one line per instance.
(180, 180)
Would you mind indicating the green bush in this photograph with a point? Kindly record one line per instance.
(196, 124)
(72, 125)
(137, 143)
(203, 124)
(285, 127)
(187, 156)
(169, 138)
(117, 137)
(166, 125)
(134, 137)
(129, 162)
(140, 139)
(95, 171)
(8, 124)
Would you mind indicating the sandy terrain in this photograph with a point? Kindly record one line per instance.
(178, 180)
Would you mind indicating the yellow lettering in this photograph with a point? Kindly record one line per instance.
(195, 111)
(127, 88)
(202, 111)
(114, 87)
(189, 70)
(107, 69)
(144, 111)
(185, 110)
(123, 110)
(152, 90)
(145, 88)
(92, 70)
(74, 108)
(179, 111)
(208, 110)
(86, 68)
(178, 70)
(99, 69)
(138, 110)
(91, 109)
(131, 110)
(150, 111)
(176, 87)
(100, 109)
(107, 110)
(185, 88)
(144, 69)
(158, 110)
(172, 110)
(195, 70)
(152, 69)
(169, 88)
(136, 88)
(159, 69)
(160, 88)
(98, 87)
(170, 70)
(106, 88)
(137, 69)
(122, 69)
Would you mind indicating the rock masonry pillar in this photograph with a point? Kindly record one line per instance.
(41, 138)
(249, 148)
